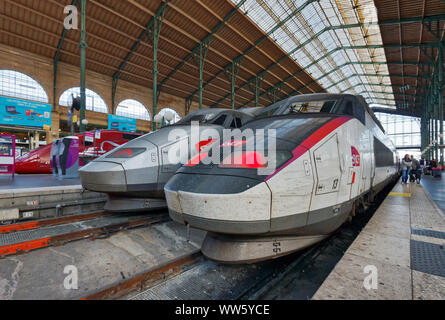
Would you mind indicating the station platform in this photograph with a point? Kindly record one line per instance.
(43, 196)
(24, 183)
(400, 254)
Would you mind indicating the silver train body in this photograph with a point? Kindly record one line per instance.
(134, 174)
(331, 152)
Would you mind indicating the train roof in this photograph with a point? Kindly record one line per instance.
(330, 96)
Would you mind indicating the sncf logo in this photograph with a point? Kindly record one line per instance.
(234, 143)
(355, 157)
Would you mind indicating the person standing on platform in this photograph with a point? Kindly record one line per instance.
(406, 168)
(422, 165)
(416, 170)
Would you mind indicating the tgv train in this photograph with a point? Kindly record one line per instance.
(134, 174)
(330, 153)
(91, 146)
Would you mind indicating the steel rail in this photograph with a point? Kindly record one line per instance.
(148, 278)
(95, 233)
(30, 225)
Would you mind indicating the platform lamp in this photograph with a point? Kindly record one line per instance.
(168, 115)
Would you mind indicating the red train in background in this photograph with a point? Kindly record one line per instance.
(91, 145)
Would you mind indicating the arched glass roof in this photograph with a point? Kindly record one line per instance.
(332, 40)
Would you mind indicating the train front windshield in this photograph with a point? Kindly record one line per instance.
(316, 106)
(203, 117)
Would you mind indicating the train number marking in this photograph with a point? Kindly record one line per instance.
(277, 247)
(335, 185)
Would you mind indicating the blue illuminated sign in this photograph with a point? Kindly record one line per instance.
(16, 112)
(121, 123)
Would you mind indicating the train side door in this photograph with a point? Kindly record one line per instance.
(328, 174)
(172, 155)
(372, 156)
(365, 161)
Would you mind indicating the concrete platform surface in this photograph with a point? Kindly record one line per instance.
(42, 274)
(399, 255)
(35, 183)
(436, 188)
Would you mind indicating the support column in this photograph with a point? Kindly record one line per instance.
(234, 73)
(157, 24)
(258, 84)
(55, 65)
(440, 103)
(83, 48)
(203, 49)
(113, 93)
(436, 117)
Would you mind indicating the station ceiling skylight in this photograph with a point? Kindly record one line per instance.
(330, 39)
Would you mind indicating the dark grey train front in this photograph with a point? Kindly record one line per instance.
(331, 151)
(134, 174)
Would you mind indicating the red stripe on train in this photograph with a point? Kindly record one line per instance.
(312, 140)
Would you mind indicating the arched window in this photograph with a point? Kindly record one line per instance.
(133, 109)
(18, 85)
(176, 117)
(94, 101)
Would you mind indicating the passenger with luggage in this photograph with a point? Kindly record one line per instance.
(406, 168)
(416, 171)
(436, 170)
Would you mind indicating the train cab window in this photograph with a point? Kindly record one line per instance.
(236, 123)
(269, 111)
(311, 106)
(359, 112)
(220, 120)
(356, 110)
(88, 143)
(347, 109)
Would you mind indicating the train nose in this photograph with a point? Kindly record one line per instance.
(103, 176)
(247, 211)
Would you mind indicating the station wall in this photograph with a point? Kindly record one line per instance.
(41, 69)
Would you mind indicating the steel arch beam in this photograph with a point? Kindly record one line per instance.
(206, 40)
(135, 46)
(292, 76)
(257, 43)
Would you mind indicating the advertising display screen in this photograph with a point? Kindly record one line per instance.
(121, 123)
(7, 153)
(16, 112)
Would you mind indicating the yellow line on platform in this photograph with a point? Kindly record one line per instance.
(395, 194)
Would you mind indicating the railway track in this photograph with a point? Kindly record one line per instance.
(30, 225)
(27, 236)
(303, 271)
(149, 278)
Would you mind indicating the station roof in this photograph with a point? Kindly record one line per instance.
(381, 49)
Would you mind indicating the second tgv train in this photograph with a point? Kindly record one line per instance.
(91, 145)
(330, 153)
(134, 174)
